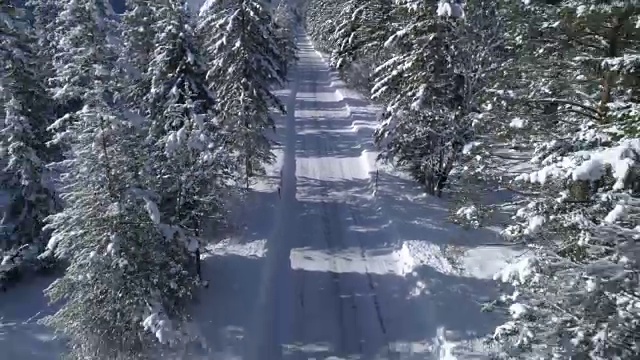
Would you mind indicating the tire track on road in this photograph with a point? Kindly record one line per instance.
(372, 287)
(349, 295)
(320, 151)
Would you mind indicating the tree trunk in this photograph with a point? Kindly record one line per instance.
(609, 77)
(443, 176)
(442, 182)
(430, 182)
(247, 164)
(198, 265)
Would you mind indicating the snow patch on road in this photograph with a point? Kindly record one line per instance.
(255, 249)
(380, 261)
(428, 254)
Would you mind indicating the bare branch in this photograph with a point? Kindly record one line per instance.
(566, 102)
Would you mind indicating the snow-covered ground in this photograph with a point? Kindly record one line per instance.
(20, 335)
(349, 261)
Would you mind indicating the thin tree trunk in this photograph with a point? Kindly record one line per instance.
(198, 264)
(446, 170)
(609, 77)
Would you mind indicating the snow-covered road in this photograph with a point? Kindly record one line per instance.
(330, 249)
(325, 270)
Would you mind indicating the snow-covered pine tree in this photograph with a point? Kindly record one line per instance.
(27, 110)
(45, 17)
(191, 161)
(126, 268)
(353, 33)
(128, 278)
(138, 37)
(364, 27)
(242, 56)
(576, 93)
(45, 22)
(285, 30)
(433, 103)
(322, 20)
(72, 56)
(357, 44)
(345, 39)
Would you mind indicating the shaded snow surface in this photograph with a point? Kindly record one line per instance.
(21, 337)
(347, 263)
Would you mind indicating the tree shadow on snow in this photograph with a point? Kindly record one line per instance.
(411, 217)
(335, 262)
(21, 337)
(344, 272)
(259, 207)
(224, 310)
(393, 320)
(324, 141)
(419, 216)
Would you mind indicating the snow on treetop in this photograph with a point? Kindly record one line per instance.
(453, 9)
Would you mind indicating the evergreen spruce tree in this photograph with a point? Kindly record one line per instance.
(26, 114)
(243, 58)
(285, 29)
(577, 89)
(363, 28)
(322, 22)
(73, 57)
(128, 281)
(192, 161)
(138, 39)
(433, 103)
(353, 33)
(45, 18)
(126, 269)
(45, 23)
